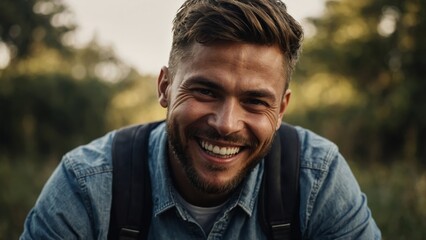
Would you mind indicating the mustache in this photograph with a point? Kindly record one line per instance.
(211, 133)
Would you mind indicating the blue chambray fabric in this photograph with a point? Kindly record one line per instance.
(75, 202)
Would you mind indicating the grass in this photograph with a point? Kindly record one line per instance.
(21, 181)
(397, 197)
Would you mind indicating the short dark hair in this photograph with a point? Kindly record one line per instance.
(263, 22)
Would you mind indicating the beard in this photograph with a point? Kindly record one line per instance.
(179, 152)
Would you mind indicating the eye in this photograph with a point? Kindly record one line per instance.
(256, 102)
(204, 94)
(203, 91)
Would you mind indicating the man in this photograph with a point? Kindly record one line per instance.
(225, 90)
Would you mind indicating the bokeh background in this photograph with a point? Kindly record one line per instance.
(69, 73)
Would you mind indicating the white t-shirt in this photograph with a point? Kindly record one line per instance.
(205, 216)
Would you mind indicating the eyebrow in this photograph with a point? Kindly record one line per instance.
(258, 93)
(203, 81)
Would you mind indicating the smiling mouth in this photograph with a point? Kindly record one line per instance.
(218, 151)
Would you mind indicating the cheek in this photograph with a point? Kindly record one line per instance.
(264, 127)
(179, 101)
(272, 117)
(185, 110)
(267, 122)
(266, 137)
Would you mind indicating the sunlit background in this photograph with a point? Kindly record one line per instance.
(140, 30)
(72, 70)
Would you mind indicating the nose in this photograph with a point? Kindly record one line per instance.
(227, 118)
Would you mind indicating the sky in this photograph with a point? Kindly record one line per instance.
(139, 31)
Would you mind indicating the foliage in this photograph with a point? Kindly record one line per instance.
(21, 181)
(377, 49)
(25, 23)
(53, 97)
(52, 101)
(47, 114)
(136, 103)
(396, 196)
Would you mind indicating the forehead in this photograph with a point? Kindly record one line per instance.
(242, 62)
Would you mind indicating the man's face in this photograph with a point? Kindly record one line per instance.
(224, 103)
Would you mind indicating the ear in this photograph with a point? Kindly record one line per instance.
(163, 84)
(283, 106)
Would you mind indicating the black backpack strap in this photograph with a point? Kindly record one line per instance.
(279, 196)
(131, 205)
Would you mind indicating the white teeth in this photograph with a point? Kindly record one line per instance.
(224, 151)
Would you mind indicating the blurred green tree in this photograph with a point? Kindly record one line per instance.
(54, 97)
(376, 48)
(25, 23)
(48, 114)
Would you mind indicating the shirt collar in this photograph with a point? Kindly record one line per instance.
(163, 192)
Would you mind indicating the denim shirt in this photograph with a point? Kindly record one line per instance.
(75, 202)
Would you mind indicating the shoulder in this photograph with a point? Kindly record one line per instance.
(316, 152)
(77, 194)
(92, 158)
(331, 202)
